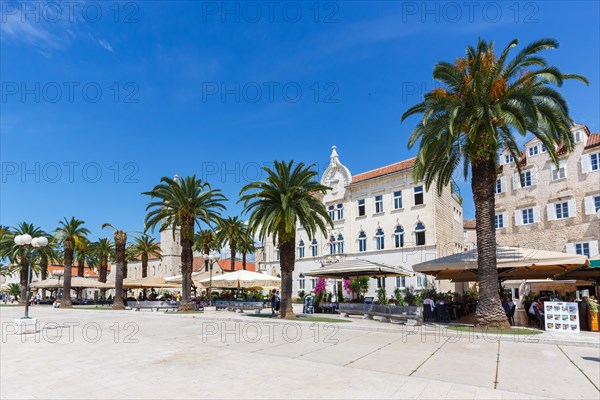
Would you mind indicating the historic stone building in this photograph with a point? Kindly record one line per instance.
(382, 216)
(550, 207)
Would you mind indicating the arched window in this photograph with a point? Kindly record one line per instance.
(420, 234)
(314, 248)
(301, 282)
(331, 211)
(331, 244)
(362, 241)
(399, 236)
(340, 244)
(301, 249)
(379, 239)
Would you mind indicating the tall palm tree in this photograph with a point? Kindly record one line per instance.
(102, 251)
(232, 231)
(70, 233)
(120, 237)
(20, 255)
(483, 100)
(206, 241)
(80, 254)
(276, 205)
(144, 247)
(246, 245)
(183, 204)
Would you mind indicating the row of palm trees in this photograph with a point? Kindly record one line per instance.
(70, 246)
(483, 100)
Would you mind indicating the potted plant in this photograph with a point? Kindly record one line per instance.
(592, 314)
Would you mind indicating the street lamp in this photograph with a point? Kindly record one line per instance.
(212, 259)
(31, 243)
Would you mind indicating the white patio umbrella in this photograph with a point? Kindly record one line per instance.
(242, 279)
(512, 263)
(77, 282)
(356, 268)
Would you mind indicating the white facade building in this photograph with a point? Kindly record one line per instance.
(382, 216)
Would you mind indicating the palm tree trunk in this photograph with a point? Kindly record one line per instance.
(287, 261)
(243, 261)
(120, 241)
(23, 281)
(66, 295)
(144, 265)
(103, 268)
(44, 272)
(232, 248)
(489, 313)
(187, 236)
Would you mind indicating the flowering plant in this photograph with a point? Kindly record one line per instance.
(347, 283)
(321, 286)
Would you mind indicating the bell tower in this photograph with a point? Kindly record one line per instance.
(170, 247)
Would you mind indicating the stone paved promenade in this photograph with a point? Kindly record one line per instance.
(103, 354)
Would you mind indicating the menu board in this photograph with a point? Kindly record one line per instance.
(561, 316)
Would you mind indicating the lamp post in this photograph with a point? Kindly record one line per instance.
(31, 243)
(212, 259)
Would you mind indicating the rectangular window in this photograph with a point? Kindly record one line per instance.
(421, 281)
(399, 240)
(398, 200)
(508, 159)
(313, 283)
(526, 178)
(361, 208)
(562, 210)
(559, 173)
(577, 136)
(340, 211)
(583, 249)
(597, 203)
(378, 204)
(379, 243)
(499, 221)
(400, 282)
(314, 249)
(498, 185)
(331, 210)
(420, 238)
(543, 148)
(362, 244)
(301, 283)
(380, 282)
(533, 151)
(527, 216)
(301, 252)
(418, 195)
(595, 161)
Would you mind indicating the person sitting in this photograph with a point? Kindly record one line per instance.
(505, 305)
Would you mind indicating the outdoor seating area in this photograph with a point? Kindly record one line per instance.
(240, 306)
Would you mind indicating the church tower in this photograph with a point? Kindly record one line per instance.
(170, 247)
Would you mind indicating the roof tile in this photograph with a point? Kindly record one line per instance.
(388, 169)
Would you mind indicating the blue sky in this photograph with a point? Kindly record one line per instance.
(101, 99)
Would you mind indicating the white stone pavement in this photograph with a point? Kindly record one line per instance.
(109, 354)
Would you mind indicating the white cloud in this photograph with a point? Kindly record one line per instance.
(105, 44)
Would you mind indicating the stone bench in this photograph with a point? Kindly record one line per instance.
(153, 305)
(242, 306)
(387, 313)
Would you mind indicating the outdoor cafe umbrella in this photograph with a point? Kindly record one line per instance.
(149, 282)
(242, 279)
(196, 277)
(512, 263)
(356, 268)
(77, 282)
(585, 273)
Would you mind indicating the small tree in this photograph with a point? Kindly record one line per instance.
(382, 296)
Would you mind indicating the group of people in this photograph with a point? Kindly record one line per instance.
(449, 307)
(275, 301)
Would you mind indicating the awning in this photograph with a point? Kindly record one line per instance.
(512, 263)
(149, 282)
(358, 268)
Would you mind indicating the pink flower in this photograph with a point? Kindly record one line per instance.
(321, 286)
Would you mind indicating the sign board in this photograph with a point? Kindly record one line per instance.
(561, 316)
